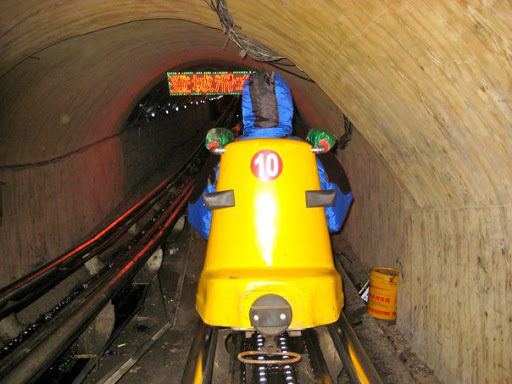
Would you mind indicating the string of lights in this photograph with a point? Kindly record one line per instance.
(170, 107)
(146, 108)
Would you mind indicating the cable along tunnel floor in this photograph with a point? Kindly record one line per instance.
(170, 308)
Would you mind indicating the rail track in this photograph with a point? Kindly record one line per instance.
(28, 357)
(271, 368)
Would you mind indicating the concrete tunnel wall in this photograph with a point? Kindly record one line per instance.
(427, 85)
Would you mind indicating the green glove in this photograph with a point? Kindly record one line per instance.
(317, 136)
(218, 137)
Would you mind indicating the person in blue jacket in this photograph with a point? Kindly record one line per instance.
(267, 110)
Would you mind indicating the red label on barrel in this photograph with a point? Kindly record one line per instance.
(266, 165)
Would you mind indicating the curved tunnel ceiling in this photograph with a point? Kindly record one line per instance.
(428, 93)
(95, 79)
(427, 84)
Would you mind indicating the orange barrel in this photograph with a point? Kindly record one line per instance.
(382, 297)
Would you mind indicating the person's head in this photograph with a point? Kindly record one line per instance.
(267, 105)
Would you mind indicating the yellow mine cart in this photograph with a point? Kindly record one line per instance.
(269, 263)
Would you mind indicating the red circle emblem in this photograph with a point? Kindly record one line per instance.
(266, 165)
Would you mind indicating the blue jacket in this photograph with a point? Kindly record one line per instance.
(267, 109)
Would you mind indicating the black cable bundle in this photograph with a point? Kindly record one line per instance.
(254, 49)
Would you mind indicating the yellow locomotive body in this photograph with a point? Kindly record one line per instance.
(269, 242)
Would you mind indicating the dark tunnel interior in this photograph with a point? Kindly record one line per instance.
(419, 90)
(161, 126)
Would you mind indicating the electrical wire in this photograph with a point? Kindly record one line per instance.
(253, 49)
(347, 136)
(291, 73)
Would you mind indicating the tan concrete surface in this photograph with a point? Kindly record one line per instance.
(426, 83)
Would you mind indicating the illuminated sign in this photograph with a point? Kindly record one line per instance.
(206, 83)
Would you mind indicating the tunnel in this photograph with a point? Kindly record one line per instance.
(426, 85)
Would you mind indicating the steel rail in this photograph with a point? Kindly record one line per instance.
(30, 287)
(358, 365)
(31, 359)
(199, 367)
(355, 361)
(236, 368)
(316, 357)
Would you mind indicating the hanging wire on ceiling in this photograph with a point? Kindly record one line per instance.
(253, 49)
(291, 72)
(259, 52)
(248, 47)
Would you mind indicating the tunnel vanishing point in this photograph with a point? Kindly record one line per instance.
(427, 84)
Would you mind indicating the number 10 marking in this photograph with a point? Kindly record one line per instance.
(266, 165)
